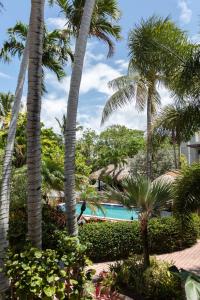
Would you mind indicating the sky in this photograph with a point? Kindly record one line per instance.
(98, 69)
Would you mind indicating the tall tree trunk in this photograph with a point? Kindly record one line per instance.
(7, 164)
(144, 233)
(70, 129)
(149, 132)
(179, 155)
(36, 32)
(174, 149)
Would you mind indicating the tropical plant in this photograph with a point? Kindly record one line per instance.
(162, 162)
(155, 283)
(179, 123)
(6, 101)
(149, 198)
(36, 33)
(56, 53)
(59, 273)
(70, 128)
(147, 61)
(116, 144)
(191, 282)
(187, 190)
(103, 22)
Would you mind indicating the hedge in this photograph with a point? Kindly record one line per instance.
(113, 241)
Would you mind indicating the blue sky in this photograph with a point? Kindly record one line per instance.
(98, 70)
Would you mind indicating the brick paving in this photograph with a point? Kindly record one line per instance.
(188, 259)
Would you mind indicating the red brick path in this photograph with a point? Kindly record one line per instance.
(188, 259)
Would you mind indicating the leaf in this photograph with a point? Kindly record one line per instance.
(49, 291)
(192, 289)
(38, 254)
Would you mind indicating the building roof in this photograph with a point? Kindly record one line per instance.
(169, 176)
(118, 173)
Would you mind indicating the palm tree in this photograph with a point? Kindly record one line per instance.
(133, 87)
(149, 198)
(147, 61)
(103, 23)
(55, 55)
(36, 33)
(70, 128)
(6, 102)
(179, 123)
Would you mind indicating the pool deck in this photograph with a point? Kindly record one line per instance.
(188, 259)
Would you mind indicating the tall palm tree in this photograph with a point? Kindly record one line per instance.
(36, 33)
(179, 123)
(147, 61)
(103, 23)
(149, 198)
(70, 128)
(55, 55)
(6, 102)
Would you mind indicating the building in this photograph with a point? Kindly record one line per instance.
(191, 149)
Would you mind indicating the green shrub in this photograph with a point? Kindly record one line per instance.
(110, 241)
(47, 274)
(196, 220)
(154, 283)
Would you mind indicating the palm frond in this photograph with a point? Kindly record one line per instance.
(118, 100)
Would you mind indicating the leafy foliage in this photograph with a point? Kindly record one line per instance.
(50, 273)
(116, 144)
(155, 283)
(104, 19)
(163, 161)
(187, 189)
(56, 47)
(109, 241)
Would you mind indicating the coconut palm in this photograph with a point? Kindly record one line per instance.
(55, 55)
(103, 24)
(6, 102)
(70, 128)
(148, 198)
(179, 123)
(36, 33)
(133, 87)
(147, 62)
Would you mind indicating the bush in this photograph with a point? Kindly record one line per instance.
(60, 273)
(196, 220)
(155, 283)
(187, 189)
(111, 241)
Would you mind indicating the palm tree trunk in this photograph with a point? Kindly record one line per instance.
(7, 164)
(149, 132)
(36, 30)
(70, 129)
(174, 148)
(179, 156)
(144, 233)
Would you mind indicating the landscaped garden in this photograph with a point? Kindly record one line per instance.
(72, 196)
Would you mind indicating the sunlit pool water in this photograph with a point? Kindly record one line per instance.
(111, 211)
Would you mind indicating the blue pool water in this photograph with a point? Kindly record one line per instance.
(111, 211)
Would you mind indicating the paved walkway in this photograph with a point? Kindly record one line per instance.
(188, 259)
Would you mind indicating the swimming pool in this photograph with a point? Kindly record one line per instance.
(112, 211)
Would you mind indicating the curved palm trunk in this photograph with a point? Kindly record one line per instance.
(145, 242)
(7, 164)
(70, 129)
(149, 132)
(36, 31)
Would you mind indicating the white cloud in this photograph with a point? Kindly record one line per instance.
(4, 75)
(96, 74)
(53, 107)
(185, 11)
(59, 23)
